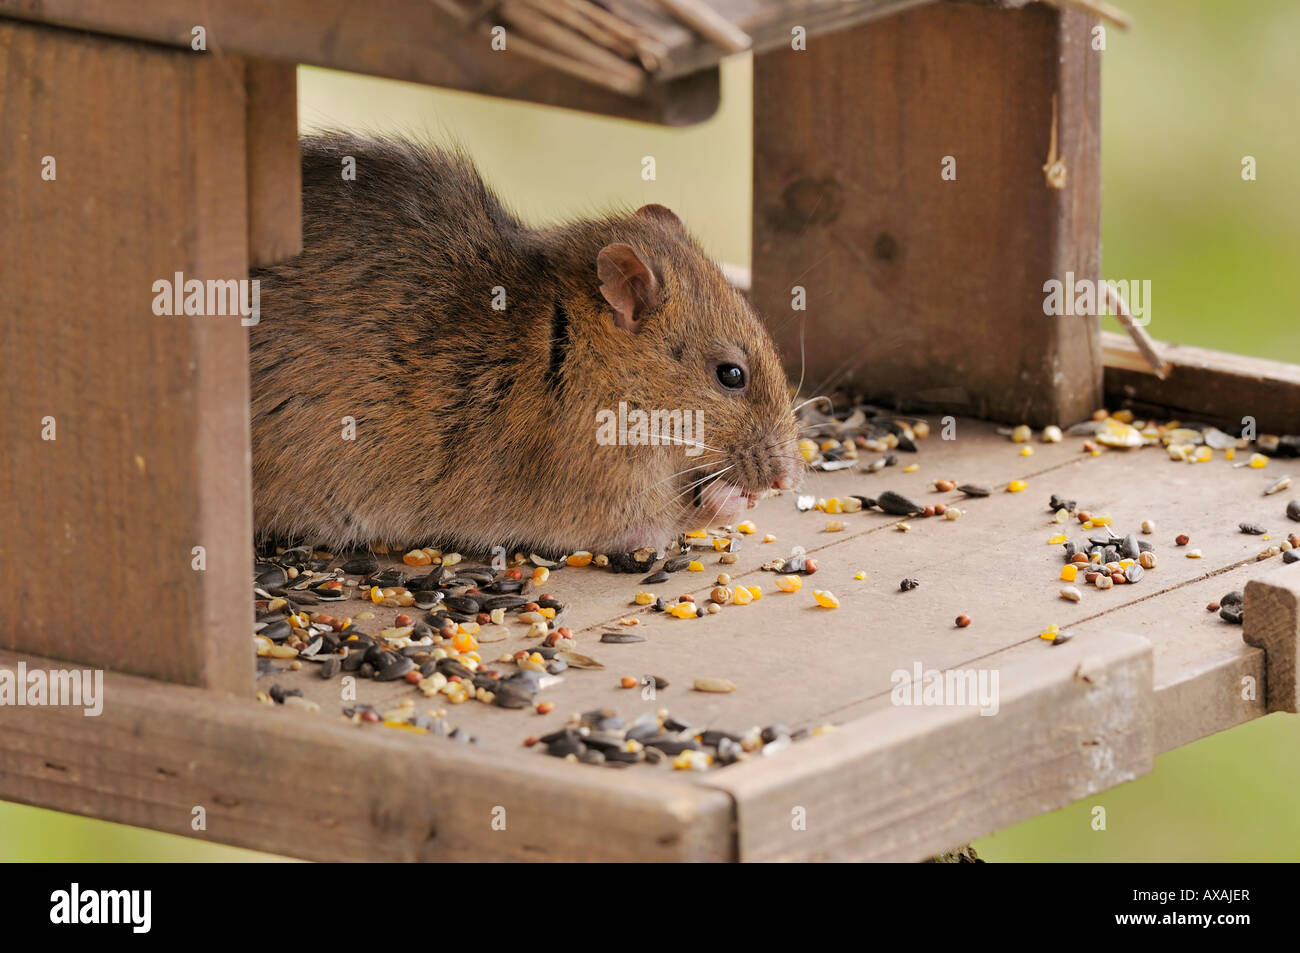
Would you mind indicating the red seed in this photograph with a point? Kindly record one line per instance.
(628, 681)
(1213, 607)
(940, 509)
(514, 574)
(531, 607)
(1084, 516)
(1118, 578)
(402, 620)
(963, 621)
(809, 566)
(545, 708)
(928, 511)
(414, 676)
(1183, 539)
(686, 598)
(370, 716)
(564, 632)
(483, 618)
(531, 740)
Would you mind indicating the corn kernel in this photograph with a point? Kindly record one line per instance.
(683, 610)
(826, 599)
(789, 583)
(834, 526)
(1056, 540)
(695, 566)
(859, 575)
(769, 538)
(1050, 633)
(463, 642)
(807, 450)
(911, 468)
(1026, 451)
(580, 558)
(747, 527)
(1015, 486)
(742, 596)
(1258, 461)
(696, 534)
(644, 598)
(1069, 572)
(1230, 453)
(721, 545)
(417, 557)
(833, 505)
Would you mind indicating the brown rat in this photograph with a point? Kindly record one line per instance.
(477, 427)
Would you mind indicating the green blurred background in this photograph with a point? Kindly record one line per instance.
(1197, 85)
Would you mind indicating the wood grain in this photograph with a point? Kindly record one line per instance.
(411, 40)
(1272, 623)
(274, 162)
(151, 452)
(319, 788)
(1205, 385)
(909, 782)
(922, 290)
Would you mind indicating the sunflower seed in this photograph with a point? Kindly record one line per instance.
(974, 489)
(1278, 485)
(896, 504)
(1293, 510)
(1252, 529)
(619, 638)
(655, 577)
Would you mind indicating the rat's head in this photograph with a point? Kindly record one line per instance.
(688, 342)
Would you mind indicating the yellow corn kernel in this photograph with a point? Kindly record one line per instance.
(807, 450)
(1258, 461)
(859, 575)
(1203, 455)
(747, 527)
(644, 598)
(540, 575)
(546, 612)
(742, 596)
(463, 642)
(721, 544)
(683, 610)
(911, 468)
(417, 557)
(826, 599)
(1102, 520)
(833, 505)
(1230, 453)
(580, 558)
(789, 583)
(1056, 540)
(376, 595)
(769, 538)
(697, 534)
(1050, 633)
(755, 591)
(1015, 486)
(1069, 572)
(834, 526)
(695, 566)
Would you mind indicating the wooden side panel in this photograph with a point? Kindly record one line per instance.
(1272, 623)
(148, 413)
(1205, 385)
(411, 40)
(274, 163)
(920, 289)
(312, 786)
(907, 783)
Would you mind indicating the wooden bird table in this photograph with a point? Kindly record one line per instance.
(167, 158)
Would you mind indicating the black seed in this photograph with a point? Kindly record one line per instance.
(974, 489)
(653, 755)
(568, 743)
(508, 695)
(772, 732)
(671, 745)
(1062, 638)
(361, 565)
(502, 602)
(1231, 614)
(429, 667)
(1058, 503)
(1233, 598)
(277, 631)
(397, 666)
(329, 668)
(591, 756)
(621, 638)
(1293, 510)
(907, 585)
(354, 661)
(1252, 529)
(660, 682)
(1145, 547)
(655, 577)
(712, 736)
(897, 505)
(1129, 546)
(1291, 556)
(462, 604)
(271, 576)
(866, 501)
(677, 563)
(450, 667)
(557, 665)
(1071, 548)
(627, 757)
(1110, 554)
(366, 670)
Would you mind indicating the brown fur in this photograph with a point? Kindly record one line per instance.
(475, 427)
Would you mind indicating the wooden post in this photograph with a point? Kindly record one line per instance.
(918, 287)
(1272, 623)
(126, 432)
(274, 163)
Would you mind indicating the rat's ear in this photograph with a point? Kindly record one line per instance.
(661, 214)
(628, 284)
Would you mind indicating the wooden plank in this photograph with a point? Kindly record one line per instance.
(410, 40)
(274, 162)
(1211, 386)
(150, 456)
(909, 782)
(1272, 623)
(321, 789)
(911, 279)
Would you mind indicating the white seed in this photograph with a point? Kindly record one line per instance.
(714, 685)
(904, 527)
(952, 513)
(1195, 554)
(1052, 434)
(1022, 434)
(1147, 560)
(1071, 593)
(1148, 526)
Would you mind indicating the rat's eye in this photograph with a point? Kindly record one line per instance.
(731, 376)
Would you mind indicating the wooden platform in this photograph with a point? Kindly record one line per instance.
(1148, 669)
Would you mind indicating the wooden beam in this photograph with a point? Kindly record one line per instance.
(126, 432)
(1203, 385)
(1272, 623)
(907, 782)
(410, 40)
(315, 786)
(921, 289)
(274, 162)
